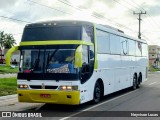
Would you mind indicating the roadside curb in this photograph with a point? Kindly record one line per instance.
(8, 75)
(8, 97)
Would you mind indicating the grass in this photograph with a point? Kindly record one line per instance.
(8, 86)
(154, 69)
(6, 69)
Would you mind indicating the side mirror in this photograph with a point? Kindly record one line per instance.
(9, 54)
(91, 54)
(78, 57)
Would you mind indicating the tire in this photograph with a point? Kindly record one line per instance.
(97, 93)
(139, 81)
(134, 82)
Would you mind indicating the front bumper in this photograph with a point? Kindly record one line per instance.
(56, 96)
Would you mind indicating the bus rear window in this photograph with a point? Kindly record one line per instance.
(52, 33)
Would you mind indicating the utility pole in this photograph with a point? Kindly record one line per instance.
(139, 14)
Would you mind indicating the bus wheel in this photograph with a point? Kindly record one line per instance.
(139, 81)
(134, 82)
(97, 93)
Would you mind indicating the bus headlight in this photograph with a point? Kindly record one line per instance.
(23, 86)
(68, 87)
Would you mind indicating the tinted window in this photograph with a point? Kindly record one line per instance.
(115, 44)
(87, 34)
(132, 47)
(103, 42)
(52, 33)
(144, 50)
(85, 55)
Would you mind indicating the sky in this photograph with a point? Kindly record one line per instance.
(116, 13)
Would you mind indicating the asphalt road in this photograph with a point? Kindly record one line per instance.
(146, 98)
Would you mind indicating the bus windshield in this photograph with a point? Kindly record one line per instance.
(47, 61)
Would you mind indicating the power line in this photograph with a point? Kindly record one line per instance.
(14, 19)
(146, 13)
(123, 5)
(97, 15)
(138, 6)
(139, 36)
(153, 20)
(93, 15)
(50, 7)
(68, 4)
(132, 5)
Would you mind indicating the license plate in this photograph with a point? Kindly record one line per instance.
(45, 95)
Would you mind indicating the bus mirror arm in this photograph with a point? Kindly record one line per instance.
(9, 54)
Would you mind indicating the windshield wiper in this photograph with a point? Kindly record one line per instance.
(36, 63)
(50, 57)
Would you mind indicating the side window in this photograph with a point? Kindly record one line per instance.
(144, 49)
(91, 53)
(138, 48)
(88, 34)
(124, 46)
(85, 55)
(132, 47)
(115, 46)
(103, 42)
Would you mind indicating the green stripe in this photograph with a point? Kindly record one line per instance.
(56, 42)
(95, 42)
(9, 54)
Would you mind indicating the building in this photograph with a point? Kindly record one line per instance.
(154, 55)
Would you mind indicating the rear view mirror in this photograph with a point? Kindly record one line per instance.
(91, 54)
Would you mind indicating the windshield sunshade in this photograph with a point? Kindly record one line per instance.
(52, 33)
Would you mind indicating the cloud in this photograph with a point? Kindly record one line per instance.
(112, 12)
(7, 3)
(153, 10)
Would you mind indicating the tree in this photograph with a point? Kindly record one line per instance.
(2, 37)
(6, 40)
(9, 41)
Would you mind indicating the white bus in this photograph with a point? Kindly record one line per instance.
(72, 62)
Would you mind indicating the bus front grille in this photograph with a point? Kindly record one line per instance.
(43, 87)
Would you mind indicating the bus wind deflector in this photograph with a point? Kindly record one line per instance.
(78, 57)
(9, 54)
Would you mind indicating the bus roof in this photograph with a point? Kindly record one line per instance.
(60, 23)
(82, 23)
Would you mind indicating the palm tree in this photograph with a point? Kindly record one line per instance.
(9, 41)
